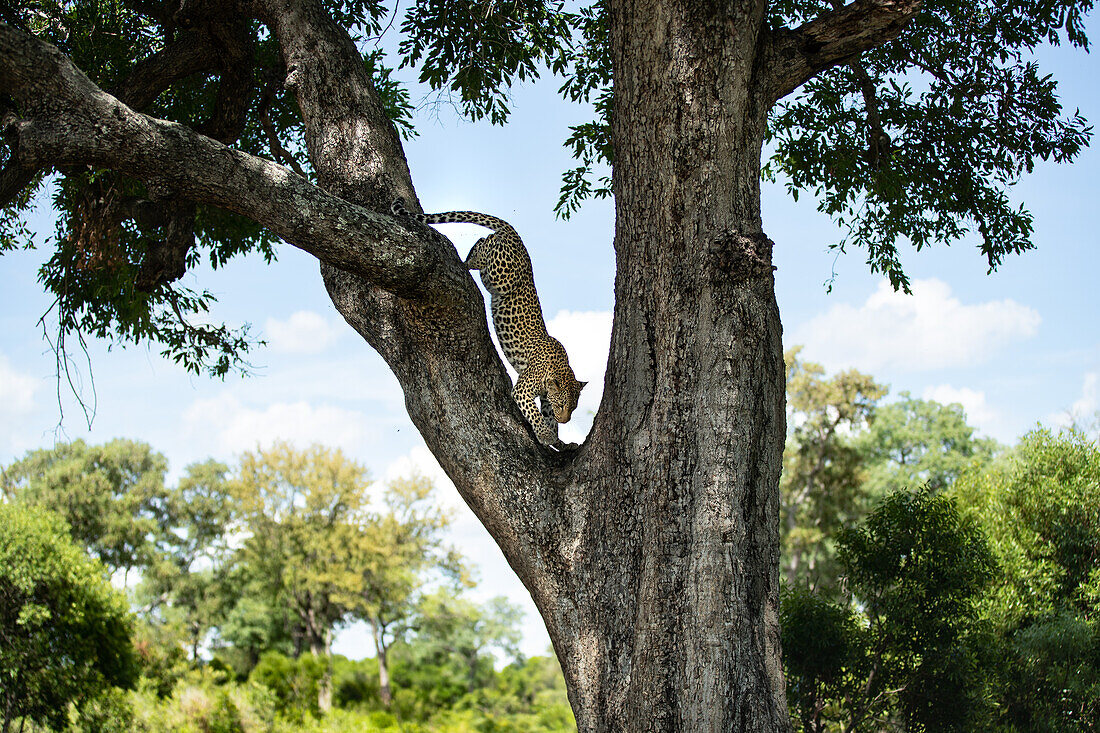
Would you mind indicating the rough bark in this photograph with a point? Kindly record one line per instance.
(652, 552)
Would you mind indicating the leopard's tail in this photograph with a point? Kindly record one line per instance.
(451, 217)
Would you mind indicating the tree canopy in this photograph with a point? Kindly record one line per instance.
(918, 140)
(64, 631)
(112, 496)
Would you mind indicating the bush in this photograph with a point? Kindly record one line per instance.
(66, 631)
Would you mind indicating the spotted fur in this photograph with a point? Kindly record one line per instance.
(538, 357)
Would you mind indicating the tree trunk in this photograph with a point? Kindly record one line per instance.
(682, 476)
(384, 692)
(320, 646)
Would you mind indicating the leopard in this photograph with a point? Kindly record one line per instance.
(539, 359)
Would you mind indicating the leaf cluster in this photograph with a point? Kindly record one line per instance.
(478, 48)
(902, 652)
(120, 248)
(64, 631)
(922, 138)
(111, 496)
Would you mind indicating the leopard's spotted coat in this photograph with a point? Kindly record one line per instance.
(538, 357)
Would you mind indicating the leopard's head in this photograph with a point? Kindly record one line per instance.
(563, 390)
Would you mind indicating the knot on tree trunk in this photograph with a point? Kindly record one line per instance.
(739, 258)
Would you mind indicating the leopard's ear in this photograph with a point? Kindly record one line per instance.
(580, 386)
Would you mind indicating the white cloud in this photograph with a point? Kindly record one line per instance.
(227, 426)
(1085, 411)
(16, 390)
(305, 332)
(978, 412)
(929, 329)
(1089, 403)
(16, 406)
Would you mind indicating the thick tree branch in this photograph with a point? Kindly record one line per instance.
(834, 38)
(67, 120)
(514, 486)
(353, 146)
(188, 54)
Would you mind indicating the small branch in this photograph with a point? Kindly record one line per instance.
(233, 39)
(878, 142)
(278, 152)
(834, 38)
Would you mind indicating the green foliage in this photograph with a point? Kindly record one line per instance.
(185, 595)
(905, 651)
(1040, 507)
(108, 244)
(301, 511)
(916, 442)
(206, 702)
(822, 643)
(112, 496)
(916, 565)
(588, 79)
(295, 683)
(64, 631)
(450, 652)
(821, 487)
(921, 138)
(242, 563)
(477, 49)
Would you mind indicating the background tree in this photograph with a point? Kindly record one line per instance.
(660, 535)
(183, 585)
(821, 488)
(452, 649)
(904, 655)
(1040, 509)
(916, 443)
(398, 551)
(64, 631)
(301, 511)
(112, 496)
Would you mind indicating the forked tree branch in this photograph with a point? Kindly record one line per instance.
(401, 286)
(834, 37)
(65, 119)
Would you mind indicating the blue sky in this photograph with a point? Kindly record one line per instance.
(1015, 347)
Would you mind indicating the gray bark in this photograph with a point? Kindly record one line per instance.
(385, 694)
(652, 552)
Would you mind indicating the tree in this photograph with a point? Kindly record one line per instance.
(397, 550)
(112, 496)
(302, 512)
(1040, 508)
(653, 551)
(821, 488)
(183, 585)
(900, 653)
(64, 631)
(449, 651)
(920, 443)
